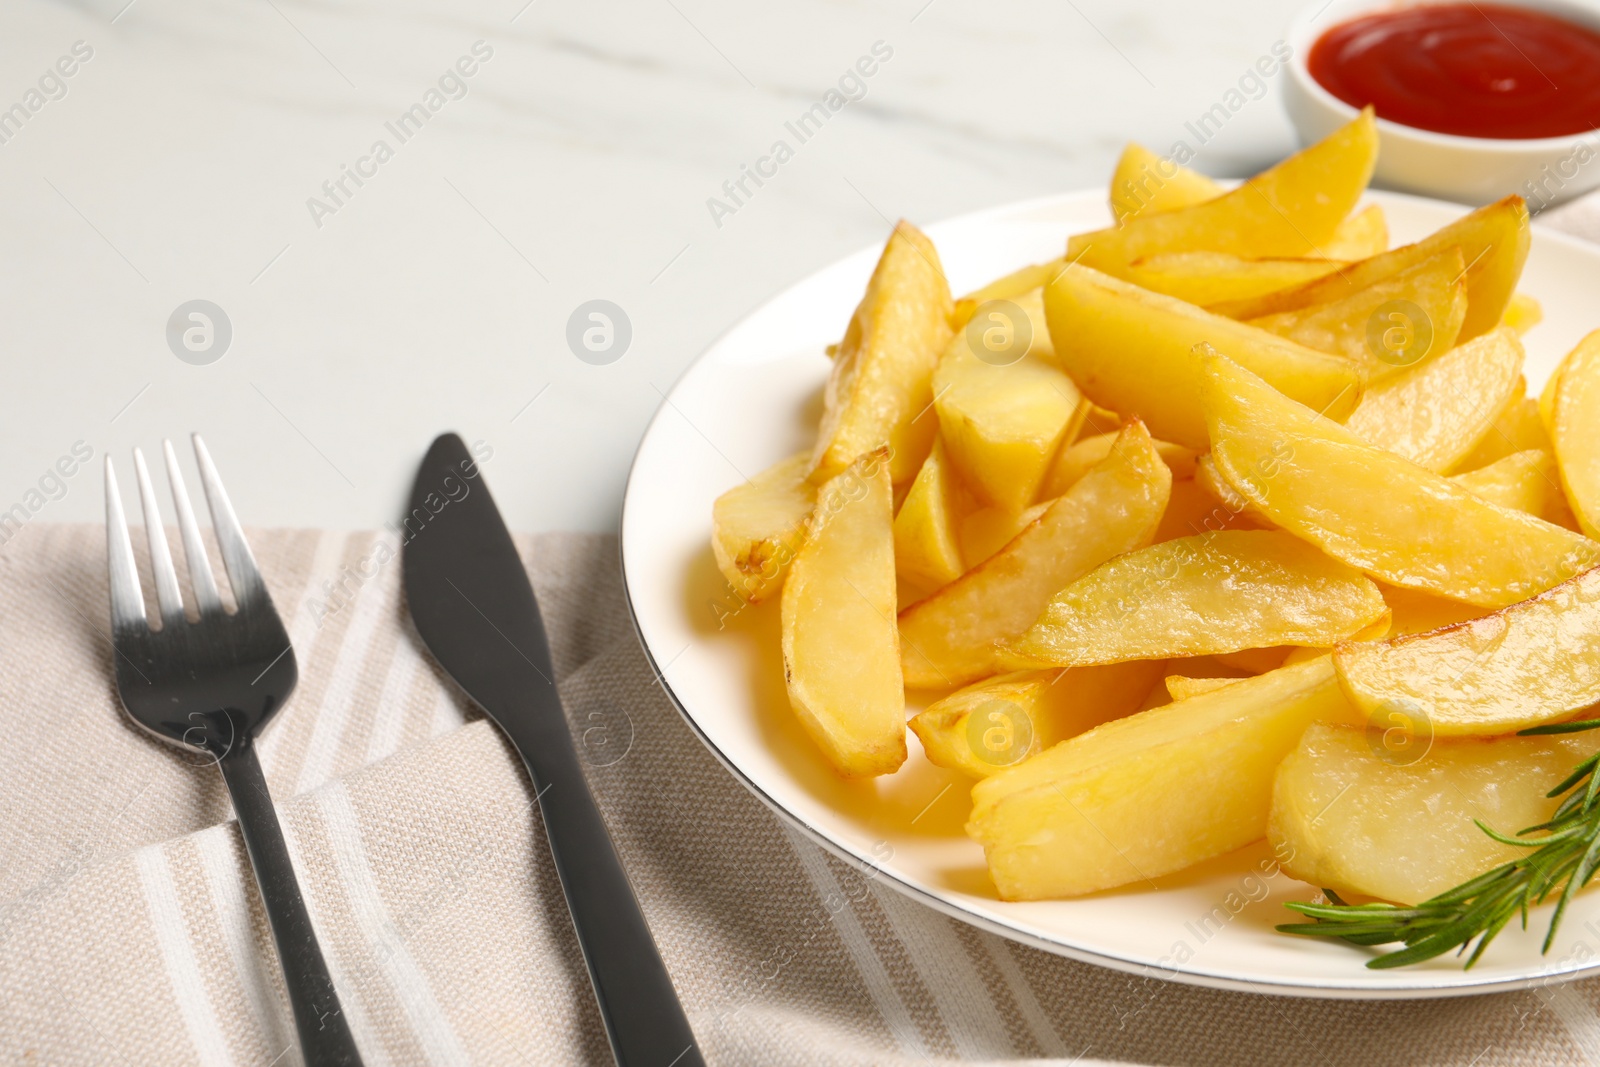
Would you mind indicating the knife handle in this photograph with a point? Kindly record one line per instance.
(643, 1018)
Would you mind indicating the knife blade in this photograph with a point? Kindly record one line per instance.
(474, 608)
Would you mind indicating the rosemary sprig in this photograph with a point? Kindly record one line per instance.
(1563, 858)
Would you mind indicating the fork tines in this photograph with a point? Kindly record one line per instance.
(127, 602)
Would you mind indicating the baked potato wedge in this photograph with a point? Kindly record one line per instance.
(1289, 210)
(1152, 793)
(1147, 182)
(1575, 430)
(1004, 410)
(841, 656)
(1437, 412)
(1202, 595)
(1001, 721)
(1493, 242)
(1517, 428)
(1534, 662)
(1359, 236)
(1392, 324)
(1390, 813)
(757, 527)
(927, 550)
(951, 637)
(1373, 509)
(1132, 351)
(880, 386)
(1206, 278)
(1523, 481)
(1019, 282)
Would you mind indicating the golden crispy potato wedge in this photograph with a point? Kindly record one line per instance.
(1001, 721)
(1231, 510)
(1147, 182)
(1206, 278)
(1078, 458)
(1360, 236)
(1005, 408)
(1180, 687)
(841, 656)
(1493, 242)
(1575, 430)
(1371, 508)
(927, 551)
(985, 727)
(1384, 813)
(757, 527)
(1133, 351)
(1289, 210)
(950, 638)
(1436, 413)
(1527, 664)
(1375, 327)
(1522, 314)
(1523, 481)
(1149, 794)
(1518, 428)
(881, 384)
(1201, 596)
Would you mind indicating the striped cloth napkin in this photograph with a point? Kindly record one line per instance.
(130, 931)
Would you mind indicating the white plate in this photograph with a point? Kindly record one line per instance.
(753, 399)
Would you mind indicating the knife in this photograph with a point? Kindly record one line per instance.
(475, 610)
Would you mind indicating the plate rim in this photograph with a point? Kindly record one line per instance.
(1199, 977)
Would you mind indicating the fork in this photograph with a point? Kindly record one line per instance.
(210, 686)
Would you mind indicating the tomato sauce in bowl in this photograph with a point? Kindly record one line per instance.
(1469, 69)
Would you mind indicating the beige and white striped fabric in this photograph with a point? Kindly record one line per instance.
(130, 931)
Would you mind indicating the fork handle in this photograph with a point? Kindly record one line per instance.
(325, 1039)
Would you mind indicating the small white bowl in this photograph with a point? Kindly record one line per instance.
(1471, 170)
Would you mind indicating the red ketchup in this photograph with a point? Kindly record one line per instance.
(1477, 70)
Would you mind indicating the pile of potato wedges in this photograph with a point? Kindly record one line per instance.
(1233, 522)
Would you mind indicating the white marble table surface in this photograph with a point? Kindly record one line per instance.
(177, 161)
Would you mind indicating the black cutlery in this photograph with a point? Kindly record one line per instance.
(474, 608)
